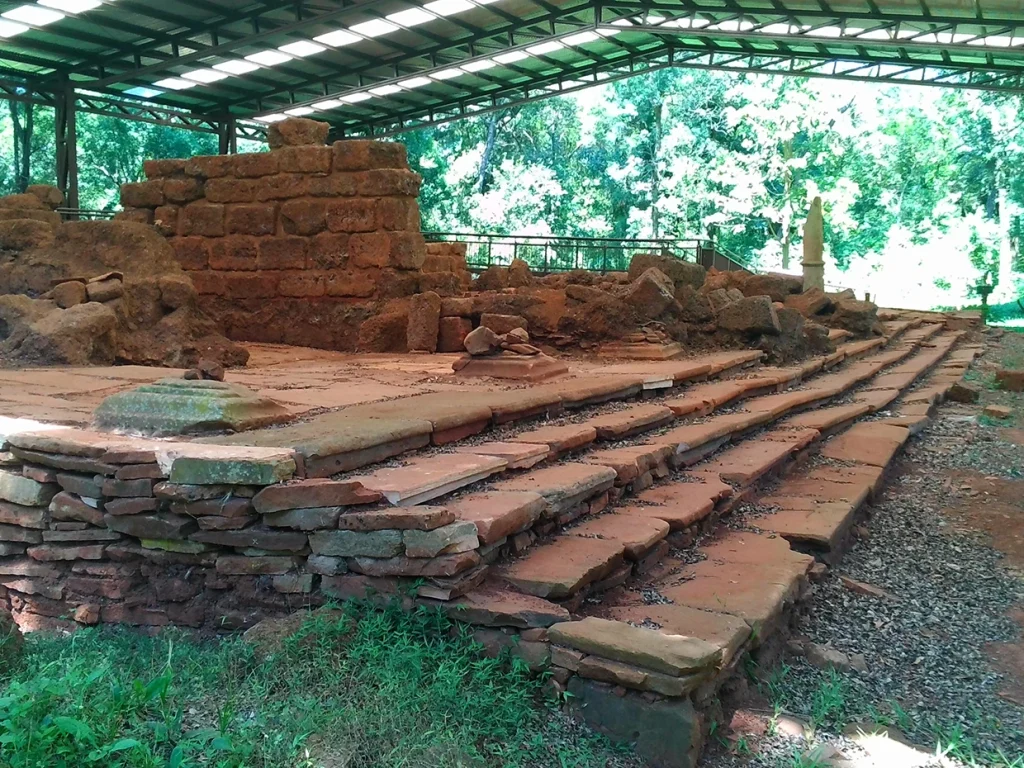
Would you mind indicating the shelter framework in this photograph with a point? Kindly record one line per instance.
(380, 67)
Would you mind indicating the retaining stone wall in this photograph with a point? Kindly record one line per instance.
(298, 245)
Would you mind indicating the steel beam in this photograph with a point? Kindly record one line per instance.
(67, 145)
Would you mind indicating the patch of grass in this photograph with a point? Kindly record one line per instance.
(362, 687)
(828, 705)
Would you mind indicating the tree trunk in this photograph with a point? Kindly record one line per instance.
(1006, 254)
(485, 161)
(22, 145)
(787, 205)
(659, 118)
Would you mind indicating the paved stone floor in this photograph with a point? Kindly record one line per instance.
(300, 378)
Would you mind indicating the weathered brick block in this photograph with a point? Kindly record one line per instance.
(191, 252)
(354, 283)
(160, 169)
(208, 166)
(343, 184)
(282, 253)
(201, 218)
(442, 283)
(328, 250)
(300, 284)
(398, 213)
(303, 217)
(144, 194)
(366, 154)
(372, 249)
(436, 262)
(394, 284)
(283, 186)
(308, 159)
(137, 215)
(251, 219)
(183, 190)
(241, 285)
(408, 250)
(255, 164)
(234, 253)
(208, 283)
(355, 214)
(389, 183)
(452, 333)
(231, 190)
(165, 218)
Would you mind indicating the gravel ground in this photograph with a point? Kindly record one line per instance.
(927, 674)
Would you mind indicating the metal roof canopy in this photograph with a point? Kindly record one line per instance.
(110, 58)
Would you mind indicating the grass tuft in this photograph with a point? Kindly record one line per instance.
(357, 688)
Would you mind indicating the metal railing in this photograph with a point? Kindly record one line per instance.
(80, 214)
(547, 254)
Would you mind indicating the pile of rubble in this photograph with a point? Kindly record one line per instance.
(95, 293)
(662, 301)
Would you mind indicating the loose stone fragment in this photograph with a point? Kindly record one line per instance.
(450, 539)
(18, 489)
(357, 544)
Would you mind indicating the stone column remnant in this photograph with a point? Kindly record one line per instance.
(814, 247)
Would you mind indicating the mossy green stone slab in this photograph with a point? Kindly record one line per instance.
(178, 406)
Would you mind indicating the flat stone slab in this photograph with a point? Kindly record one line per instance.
(319, 492)
(562, 485)
(823, 419)
(640, 350)
(563, 567)
(750, 460)
(821, 524)
(675, 655)
(559, 440)
(18, 489)
(592, 390)
(630, 421)
(877, 399)
(492, 605)
(680, 505)
(202, 464)
(516, 455)
(779, 405)
(447, 412)
(508, 365)
(416, 518)
(498, 514)
(629, 462)
(177, 407)
(637, 535)
(690, 436)
(719, 630)
(869, 443)
(426, 478)
(337, 442)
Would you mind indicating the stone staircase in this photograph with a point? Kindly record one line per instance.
(604, 542)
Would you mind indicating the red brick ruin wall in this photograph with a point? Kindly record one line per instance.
(299, 245)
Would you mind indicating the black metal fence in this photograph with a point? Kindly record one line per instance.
(547, 254)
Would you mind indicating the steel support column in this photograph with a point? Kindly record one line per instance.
(227, 134)
(67, 145)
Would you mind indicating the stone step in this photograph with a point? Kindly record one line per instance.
(825, 420)
(560, 440)
(630, 421)
(869, 443)
(637, 535)
(516, 455)
(498, 514)
(635, 463)
(562, 567)
(564, 486)
(746, 463)
(802, 520)
(679, 504)
(750, 576)
(422, 479)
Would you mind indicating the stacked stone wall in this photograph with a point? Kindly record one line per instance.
(298, 245)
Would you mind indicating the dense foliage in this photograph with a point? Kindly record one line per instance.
(923, 188)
